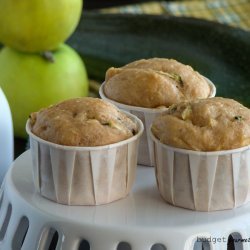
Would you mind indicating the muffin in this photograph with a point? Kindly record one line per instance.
(82, 122)
(84, 151)
(202, 154)
(148, 87)
(156, 82)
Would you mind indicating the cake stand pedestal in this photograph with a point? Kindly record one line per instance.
(142, 221)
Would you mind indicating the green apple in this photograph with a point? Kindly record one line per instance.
(32, 81)
(37, 25)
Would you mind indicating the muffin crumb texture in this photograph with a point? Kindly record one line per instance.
(204, 125)
(83, 121)
(154, 82)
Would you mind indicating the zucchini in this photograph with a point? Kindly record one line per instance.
(217, 51)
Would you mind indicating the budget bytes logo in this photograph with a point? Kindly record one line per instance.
(214, 240)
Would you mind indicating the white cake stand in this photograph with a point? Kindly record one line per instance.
(142, 221)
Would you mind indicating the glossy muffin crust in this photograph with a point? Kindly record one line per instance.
(204, 125)
(154, 83)
(83, 121)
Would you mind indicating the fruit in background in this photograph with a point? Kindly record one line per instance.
(38, 25)
(31, 82)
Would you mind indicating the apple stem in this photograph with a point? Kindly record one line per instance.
(48, 55)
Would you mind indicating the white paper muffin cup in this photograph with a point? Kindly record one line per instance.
(146, 115)
(84, 175)
(202, 181)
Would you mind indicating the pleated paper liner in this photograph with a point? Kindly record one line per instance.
(84, 175)
(202, 181)
(146, 115)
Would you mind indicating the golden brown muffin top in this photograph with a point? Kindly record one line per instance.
(154, 82)
(83, 121)
(204, 125)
